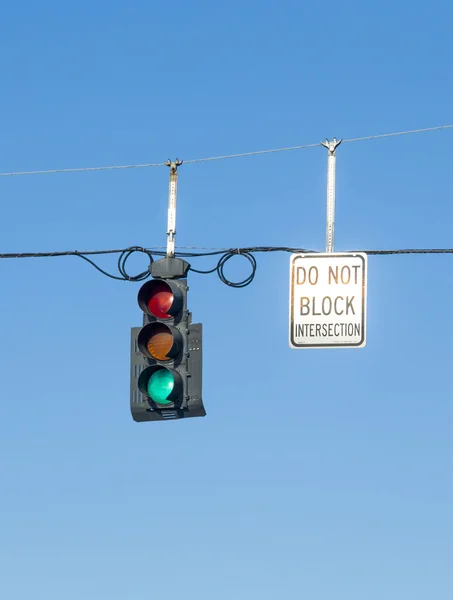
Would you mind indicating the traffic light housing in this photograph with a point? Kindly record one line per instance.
(166, 354)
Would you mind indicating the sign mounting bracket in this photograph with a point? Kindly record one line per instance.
(172, 196)
(331, 167)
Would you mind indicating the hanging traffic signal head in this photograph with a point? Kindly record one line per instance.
(166, 355)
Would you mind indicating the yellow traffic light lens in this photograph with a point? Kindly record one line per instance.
(160, 342)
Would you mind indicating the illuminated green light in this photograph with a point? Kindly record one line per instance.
(160, 386)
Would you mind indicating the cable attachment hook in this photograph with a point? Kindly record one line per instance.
(331, 146)
(172, 196)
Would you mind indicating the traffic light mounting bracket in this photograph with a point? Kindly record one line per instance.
(169, 268)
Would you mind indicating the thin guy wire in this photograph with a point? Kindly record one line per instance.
(109, 168)
(385, 135)
(253, 153)
(225, 156)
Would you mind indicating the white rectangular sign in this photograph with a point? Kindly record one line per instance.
(328, 300)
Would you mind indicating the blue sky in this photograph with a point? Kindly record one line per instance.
(316, 474)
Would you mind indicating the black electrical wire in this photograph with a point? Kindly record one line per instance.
(225, 255)
(221, 265)
(122, 260)
(124, 255)
(410, 251)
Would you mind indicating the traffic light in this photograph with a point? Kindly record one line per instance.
(166, 354)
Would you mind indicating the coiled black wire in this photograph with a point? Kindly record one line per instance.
(122, 260)
(220, 266)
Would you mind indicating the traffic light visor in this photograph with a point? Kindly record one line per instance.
(163, 386)
(160, 341)
(161, 299)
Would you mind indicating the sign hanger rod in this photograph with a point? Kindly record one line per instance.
(172, 196)
(331, 167)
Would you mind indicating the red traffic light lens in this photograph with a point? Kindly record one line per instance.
(160, 341)
(161, 299)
